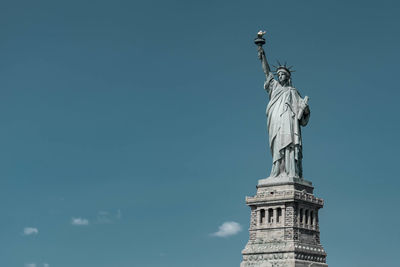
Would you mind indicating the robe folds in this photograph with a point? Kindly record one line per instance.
(283, 111)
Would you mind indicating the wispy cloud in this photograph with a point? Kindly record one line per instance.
(30, 231)
(30, 265)
(46, 265)
(228, 229)
(79, 221)
(108, 217)
(103, 217)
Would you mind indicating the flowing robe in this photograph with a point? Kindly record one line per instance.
(284, 117)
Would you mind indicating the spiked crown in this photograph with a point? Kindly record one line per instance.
(283, 67)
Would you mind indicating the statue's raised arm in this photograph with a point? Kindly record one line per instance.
(260, 41)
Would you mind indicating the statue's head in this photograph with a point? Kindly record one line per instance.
(284, 73)
(283, 76)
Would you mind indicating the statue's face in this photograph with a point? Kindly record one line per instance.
(283, 77)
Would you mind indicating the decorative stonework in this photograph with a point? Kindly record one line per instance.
(284, 227)
(253, 222)
(290, 215)
(268, 196)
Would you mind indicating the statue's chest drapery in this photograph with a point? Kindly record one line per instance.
(282, 112)
(283, 99)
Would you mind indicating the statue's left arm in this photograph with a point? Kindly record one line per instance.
(304, 111)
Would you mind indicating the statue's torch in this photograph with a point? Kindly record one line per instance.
(260, 41)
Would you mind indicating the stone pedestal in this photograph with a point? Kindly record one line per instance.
(284, 228)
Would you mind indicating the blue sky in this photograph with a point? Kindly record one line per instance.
(130, 131)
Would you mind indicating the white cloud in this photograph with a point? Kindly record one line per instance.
(30, 265)
(30, 231)
(228, 229)
(46, 265)
(79, 221)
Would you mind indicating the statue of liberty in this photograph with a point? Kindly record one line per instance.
(286, 112)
